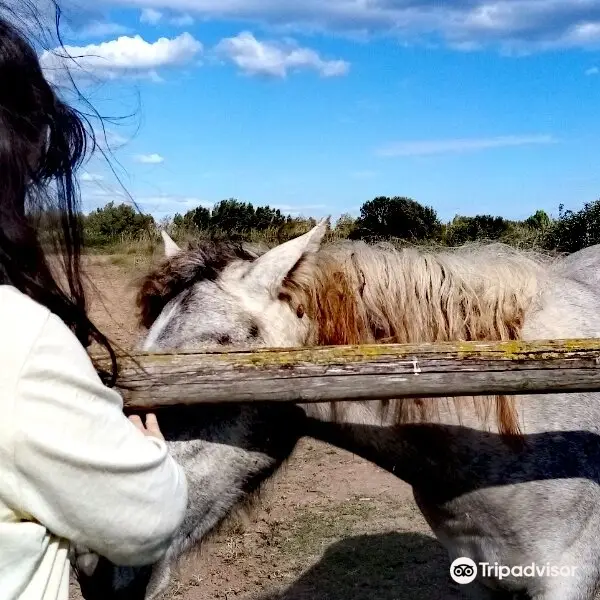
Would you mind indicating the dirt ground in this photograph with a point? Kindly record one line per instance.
(331, 527)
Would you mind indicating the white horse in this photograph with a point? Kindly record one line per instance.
(512, 481)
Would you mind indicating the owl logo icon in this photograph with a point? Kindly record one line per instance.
(463, 570)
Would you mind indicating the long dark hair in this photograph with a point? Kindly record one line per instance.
(42, 143)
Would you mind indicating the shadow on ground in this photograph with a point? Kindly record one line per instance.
(391, 566)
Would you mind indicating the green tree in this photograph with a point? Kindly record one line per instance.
(397, 217)
(266, 217)
(178, 221)
(573, 231)
(345, 225)
(232, 216)
(197, 218)
(111, 223)
(539, 220)
(480, 227)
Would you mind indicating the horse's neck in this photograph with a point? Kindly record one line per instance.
(375, 415)
(362, 413)
(424, 448)
(406, 297)
(357, 428)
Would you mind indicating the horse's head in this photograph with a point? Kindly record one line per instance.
(223, 294)
(214, 294)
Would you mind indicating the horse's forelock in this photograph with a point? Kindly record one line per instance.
(201, 261)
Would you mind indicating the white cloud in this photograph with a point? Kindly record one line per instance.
(465, 25)
(124, 56)
(182, 21)
(107, 139)
(91, 177)
(95, 196)
(113, 138)
(98, 29)
(150, 16)
(275, 59)
(177, 203)
(593, 71)
(425, 147)
(149, 159)
(164, 205)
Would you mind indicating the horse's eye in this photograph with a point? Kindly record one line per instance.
(224, 339)
(300, 311)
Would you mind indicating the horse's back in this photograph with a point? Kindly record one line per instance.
(582, 266)
(567, 307)
(568, 302)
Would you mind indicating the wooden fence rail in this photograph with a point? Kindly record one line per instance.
(360, 372)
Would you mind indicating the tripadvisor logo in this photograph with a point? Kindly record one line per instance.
(464, 570)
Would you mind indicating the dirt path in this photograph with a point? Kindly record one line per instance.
(331, 527)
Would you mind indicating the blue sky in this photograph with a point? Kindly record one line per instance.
(470, 107)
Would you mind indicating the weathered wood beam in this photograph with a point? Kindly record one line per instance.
(359, 372)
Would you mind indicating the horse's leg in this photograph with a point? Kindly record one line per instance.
(160, 577)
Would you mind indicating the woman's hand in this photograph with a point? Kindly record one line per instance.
(151, 428)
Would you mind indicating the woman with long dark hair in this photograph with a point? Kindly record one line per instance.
(73, 468)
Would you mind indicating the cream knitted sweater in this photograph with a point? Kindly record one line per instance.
(72, 466)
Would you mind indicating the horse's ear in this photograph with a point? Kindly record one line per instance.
(270, 269)
(171, 248)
